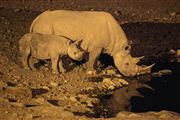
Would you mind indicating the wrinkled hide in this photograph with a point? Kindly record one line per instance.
(99, 32)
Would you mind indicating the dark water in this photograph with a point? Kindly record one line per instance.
(166, 94)
(167, 91)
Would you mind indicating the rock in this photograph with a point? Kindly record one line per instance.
(54, 84)
(89, 104)
(28, 116)
(42, 101)
(19, 91)
(178, 52)
(167, 115)
(123, 82)
(172, 14)
(117, 13)
(17, 104)
(122, 115)
(111, 72)
(178, 56)
(2, 85)
(107, 81)
(53, 112)
(111, 87)
(3, 100)
(45, 87)
(89, 88)
(86, 99)
(91, 72)
(17, 10)
(118, 75)
(73, 99)
(134, 116)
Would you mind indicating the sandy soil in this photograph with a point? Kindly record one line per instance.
(153, 28)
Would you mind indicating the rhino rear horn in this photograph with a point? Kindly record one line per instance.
(137, 59)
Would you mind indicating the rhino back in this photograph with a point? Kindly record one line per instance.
(42, 23)
(96, 29)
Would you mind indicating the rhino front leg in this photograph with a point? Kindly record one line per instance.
(55, 60)
(61, 68)
(93, 59)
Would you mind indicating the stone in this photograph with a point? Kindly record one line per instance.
(107, 81)
(172, 14)
(122, 81)
(73, 99)
(54, 84)
(17, 104)
(19, 91)
(178, 55)
(2, 85)
(111, 72)
(178, 52)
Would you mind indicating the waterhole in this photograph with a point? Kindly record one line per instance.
(164, 96)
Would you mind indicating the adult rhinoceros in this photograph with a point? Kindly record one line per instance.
(99, 32)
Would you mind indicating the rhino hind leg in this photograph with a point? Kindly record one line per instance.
(25, 61)
(25, 53)
(93, 59)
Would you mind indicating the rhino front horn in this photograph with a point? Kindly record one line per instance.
(137, 59)
(145, 70)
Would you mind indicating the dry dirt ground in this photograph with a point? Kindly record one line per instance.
(152, 27)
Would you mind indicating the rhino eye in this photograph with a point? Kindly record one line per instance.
(127, 63)
(75, 53)
(126, 48)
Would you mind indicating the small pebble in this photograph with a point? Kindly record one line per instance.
(73, 99)
(54, 84)
(173, 14)
(178, 53)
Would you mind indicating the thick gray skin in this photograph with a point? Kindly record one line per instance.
(48, 47)
(100, 34)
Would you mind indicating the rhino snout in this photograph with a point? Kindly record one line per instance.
(76, 54)
(127, 65)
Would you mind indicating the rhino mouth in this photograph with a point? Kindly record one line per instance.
(136, 70)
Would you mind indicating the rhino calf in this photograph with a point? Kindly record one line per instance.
(48, 47)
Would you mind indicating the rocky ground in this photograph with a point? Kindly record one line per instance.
(154, 31)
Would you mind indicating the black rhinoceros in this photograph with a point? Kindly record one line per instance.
(100, 33)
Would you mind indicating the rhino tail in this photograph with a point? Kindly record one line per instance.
(25, 50)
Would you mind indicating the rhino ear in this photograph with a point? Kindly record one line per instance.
(126, 49)
(78, 42)
(69, 42)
